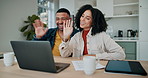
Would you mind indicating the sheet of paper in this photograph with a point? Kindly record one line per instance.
(78, 65)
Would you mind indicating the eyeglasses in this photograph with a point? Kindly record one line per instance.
(63, 18)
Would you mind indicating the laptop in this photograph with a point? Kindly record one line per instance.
(129, 67)
(36, 55)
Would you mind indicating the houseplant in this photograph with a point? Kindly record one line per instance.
(28, 30)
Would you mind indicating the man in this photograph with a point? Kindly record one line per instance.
(54, 35)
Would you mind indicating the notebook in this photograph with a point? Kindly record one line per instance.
(36, 55)
(129, 67)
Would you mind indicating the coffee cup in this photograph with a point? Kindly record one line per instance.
(8, 58)
(89, 64)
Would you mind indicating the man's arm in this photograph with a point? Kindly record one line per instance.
(40, 31)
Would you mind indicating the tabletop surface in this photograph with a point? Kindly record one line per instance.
(15, 72)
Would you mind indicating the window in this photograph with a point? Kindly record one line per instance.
(46, 12)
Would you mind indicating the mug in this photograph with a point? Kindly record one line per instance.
(8, 58)
(89, 64)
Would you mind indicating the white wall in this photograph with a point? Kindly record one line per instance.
(68, 4)
(12, 15)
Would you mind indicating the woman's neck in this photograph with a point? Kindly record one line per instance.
(86, 29)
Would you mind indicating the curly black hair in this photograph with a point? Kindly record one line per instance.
(63, 10)
(98, 21)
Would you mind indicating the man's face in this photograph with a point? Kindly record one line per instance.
(60, 17)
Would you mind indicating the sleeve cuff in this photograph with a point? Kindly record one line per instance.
(36, 38)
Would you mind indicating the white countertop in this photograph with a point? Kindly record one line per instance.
(130, 39)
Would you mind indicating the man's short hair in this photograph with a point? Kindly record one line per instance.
(63, 10)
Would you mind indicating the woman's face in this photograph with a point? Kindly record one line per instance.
(86, 20)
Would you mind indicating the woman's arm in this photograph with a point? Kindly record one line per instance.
(111, 51)
(66, 48)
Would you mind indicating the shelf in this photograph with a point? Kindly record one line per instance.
(133, 15)
(116, 16)
(126, 4)
(125, 39)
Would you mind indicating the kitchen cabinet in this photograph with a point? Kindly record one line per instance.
(106, 7)
(118, 8)
(74, 5)
(143, 4)
(125, 8)
(110, 8)
(143, 18)
(142, 43)
(135, 11)
(129, 49)
(143, 26)
(125, 16)
(143, 51)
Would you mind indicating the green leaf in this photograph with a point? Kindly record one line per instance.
(34, 17)
(26, 22)
(26, 33)
(45, 25)
(30, 35)
(24, 28)
(29, 18)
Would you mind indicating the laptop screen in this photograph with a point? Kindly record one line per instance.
(34, 55)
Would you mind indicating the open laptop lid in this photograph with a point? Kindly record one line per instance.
(34, 55)
(129, 67)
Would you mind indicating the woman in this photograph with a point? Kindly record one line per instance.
(92, 38)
